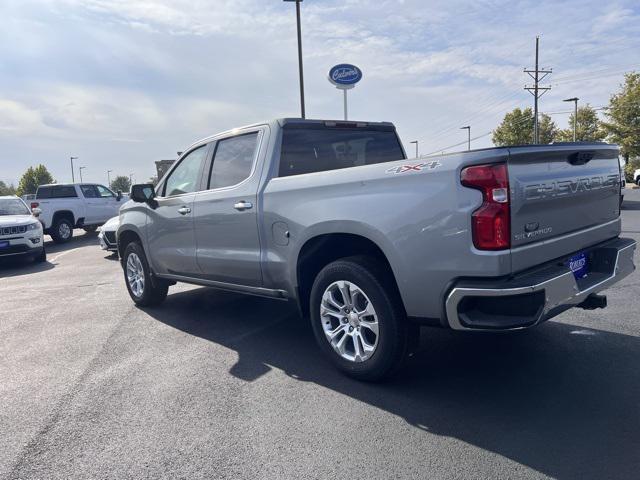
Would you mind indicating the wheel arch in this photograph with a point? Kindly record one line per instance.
(323, 248)
(63, 214)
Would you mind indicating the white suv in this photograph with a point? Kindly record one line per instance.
(20, 232)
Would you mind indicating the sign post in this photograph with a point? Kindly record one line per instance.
(345, 76)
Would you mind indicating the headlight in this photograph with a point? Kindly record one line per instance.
(33, 226)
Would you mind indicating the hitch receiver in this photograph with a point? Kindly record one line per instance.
(593, 301)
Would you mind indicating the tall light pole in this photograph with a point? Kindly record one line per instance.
(575, 115)
(109, 178)
(299, 56)
(130, 179)
(468, 129)
(416, 142)
(73, 177)
(80, 168)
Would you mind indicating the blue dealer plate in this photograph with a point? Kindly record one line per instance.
(4, 244)
(579, 265)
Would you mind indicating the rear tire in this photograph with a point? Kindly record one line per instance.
(62, 230)
(144, 289)
(356, 349)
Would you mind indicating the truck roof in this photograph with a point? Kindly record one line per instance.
(299, 121)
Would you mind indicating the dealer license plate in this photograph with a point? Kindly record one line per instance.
(579, 265)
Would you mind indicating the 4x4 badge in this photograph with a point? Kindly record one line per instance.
(415, 167)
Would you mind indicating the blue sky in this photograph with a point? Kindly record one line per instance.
(121, 83)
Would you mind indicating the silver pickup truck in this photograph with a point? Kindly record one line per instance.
(369, 244)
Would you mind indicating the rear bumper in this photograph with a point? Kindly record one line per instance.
(537, 295)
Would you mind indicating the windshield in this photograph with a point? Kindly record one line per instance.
(13, 206)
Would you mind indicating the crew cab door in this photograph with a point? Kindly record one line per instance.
(170, 233)
(92, 203)
(109, 203)
(225, 214)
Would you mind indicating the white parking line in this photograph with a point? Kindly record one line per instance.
(63, 253)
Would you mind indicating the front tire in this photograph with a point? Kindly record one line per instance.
(144, 289)
(358, 318)
(62, 230)
(90, 228)
(42, 257)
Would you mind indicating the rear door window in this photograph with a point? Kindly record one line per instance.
(57, 191)
(312, 148)
(233, 160)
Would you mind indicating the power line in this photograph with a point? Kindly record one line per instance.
(537, 91)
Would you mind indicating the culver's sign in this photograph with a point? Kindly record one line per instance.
(345, 75)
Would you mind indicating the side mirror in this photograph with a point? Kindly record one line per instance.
(118, 196)
(36, 212)
(143, 193)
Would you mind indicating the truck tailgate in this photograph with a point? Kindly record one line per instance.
(564, 198)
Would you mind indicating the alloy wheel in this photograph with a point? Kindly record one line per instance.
(135, 275)
(349, 321)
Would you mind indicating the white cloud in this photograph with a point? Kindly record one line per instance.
(126, 82)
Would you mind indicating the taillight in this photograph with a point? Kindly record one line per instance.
(490, 223)
(34, 205)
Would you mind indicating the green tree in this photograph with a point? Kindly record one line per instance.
(548, 129)
(32, 179)
(588, 128)
(121, 184)
(623, 114)
(7, 189)
(517, 128)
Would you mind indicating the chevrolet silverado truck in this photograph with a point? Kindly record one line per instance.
(370, 245)
(63, 207)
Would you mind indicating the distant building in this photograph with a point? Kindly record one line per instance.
(162, 166)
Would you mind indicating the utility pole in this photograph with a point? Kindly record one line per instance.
(109, 178)
(416, 142)
(468, 129)
(575, 115)
(81, 173)
(536, 90)
(73, 177)
(299, 56)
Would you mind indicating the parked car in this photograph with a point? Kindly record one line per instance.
(21, 233)
(636, 176)
(107, 234)
(80, 205)
(332, 216)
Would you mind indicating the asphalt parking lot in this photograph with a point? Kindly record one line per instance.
(216, 385)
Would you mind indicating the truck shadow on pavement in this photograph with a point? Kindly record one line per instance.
(561, 399)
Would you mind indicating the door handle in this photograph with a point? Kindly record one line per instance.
(184, 210)
(243, 205)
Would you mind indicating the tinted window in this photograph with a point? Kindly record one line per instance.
(316, 149)
(89, 191)
(184, 179)
(104, 192)
(233, 160)
(57, 191)
(13, 206)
